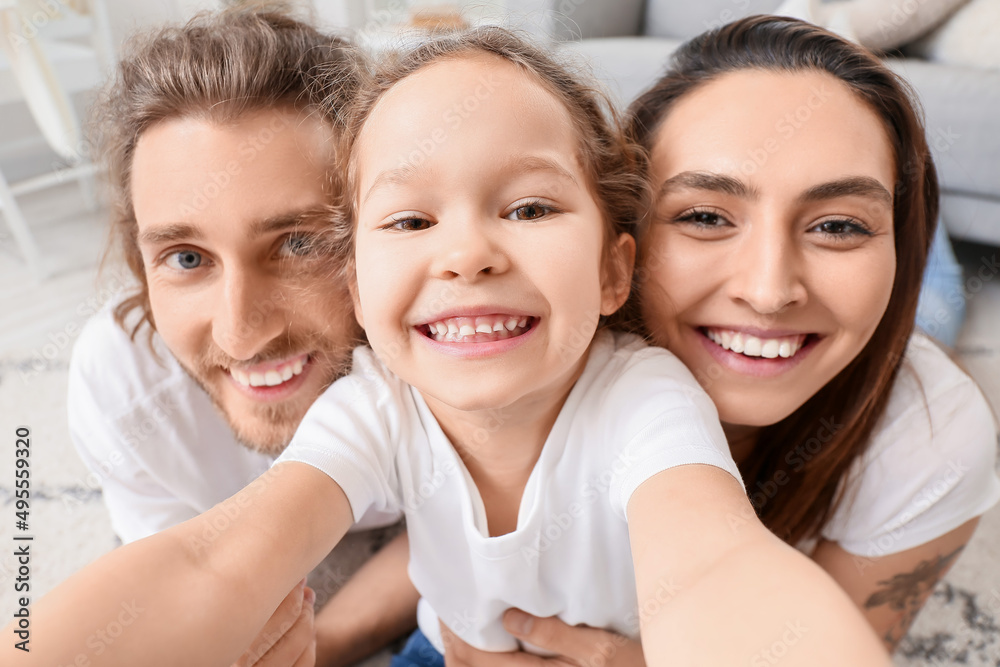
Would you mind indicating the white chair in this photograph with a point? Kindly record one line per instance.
(50, 50)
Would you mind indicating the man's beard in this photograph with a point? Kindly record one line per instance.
(270, 426)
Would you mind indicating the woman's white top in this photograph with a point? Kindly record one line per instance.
(931, 465)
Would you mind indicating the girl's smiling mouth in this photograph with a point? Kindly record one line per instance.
(477, 329)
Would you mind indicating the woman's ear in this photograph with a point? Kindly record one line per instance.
(617, 280)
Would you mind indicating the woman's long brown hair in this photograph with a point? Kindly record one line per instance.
(836, 424)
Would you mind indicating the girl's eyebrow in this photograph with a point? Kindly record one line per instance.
(515, 165)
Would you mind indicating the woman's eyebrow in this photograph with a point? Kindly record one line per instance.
(851, 186)
(703, 180)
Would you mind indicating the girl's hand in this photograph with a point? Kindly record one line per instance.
(288, 638)
(575, 646)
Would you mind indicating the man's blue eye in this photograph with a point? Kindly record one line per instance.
(298, 245)
(184, 260)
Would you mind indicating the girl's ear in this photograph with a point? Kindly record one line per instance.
(352, 287)
(617, 279)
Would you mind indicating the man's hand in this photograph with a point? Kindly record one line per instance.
(288, 638)
(574, 646)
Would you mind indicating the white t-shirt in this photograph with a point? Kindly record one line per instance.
(162, 452)
(635, 411)
(931, 465)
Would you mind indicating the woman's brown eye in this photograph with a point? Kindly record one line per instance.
(702, 219)
(842, 228)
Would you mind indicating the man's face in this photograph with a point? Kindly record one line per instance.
(238, 291)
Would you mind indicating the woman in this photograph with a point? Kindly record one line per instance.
(795, 203)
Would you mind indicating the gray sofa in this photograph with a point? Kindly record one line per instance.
(628, 43)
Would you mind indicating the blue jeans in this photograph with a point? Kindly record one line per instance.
(418, 652)
(942, 297)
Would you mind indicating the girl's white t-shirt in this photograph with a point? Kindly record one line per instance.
(634, 412)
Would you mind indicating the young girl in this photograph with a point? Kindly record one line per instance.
(487, 203)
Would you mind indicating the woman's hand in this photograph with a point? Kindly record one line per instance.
(575, 646)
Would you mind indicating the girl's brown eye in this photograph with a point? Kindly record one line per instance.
(530, 212)
(411, 224)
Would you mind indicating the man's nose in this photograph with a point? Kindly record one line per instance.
(248, 314)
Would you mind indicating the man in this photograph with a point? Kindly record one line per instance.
(219, 155)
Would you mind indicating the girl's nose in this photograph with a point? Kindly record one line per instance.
(470, 250)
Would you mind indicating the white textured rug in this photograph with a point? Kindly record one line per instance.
(959, 626)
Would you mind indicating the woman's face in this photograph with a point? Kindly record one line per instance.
(770, 259)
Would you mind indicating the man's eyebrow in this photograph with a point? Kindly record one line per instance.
(177, 231)
(289, 220)
(174, 231)
(512, 166)
(703, 180)
(852, 186)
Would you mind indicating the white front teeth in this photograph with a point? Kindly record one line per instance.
(477, 329)
(752, 346)
(272, 377)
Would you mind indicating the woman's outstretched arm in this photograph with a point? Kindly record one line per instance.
(717, 588)
(195, 594)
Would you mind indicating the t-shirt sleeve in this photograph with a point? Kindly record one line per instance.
(931, 468)
(666, 420)
(351, 433)
(137, 504)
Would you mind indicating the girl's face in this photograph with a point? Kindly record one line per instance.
(479, 244)
(771, 256)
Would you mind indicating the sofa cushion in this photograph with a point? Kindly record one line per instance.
(683, 20)
(963, 123)
(625, 65)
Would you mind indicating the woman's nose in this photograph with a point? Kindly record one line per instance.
(768, 272)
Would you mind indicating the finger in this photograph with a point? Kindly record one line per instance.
(283, 618)
(296, 640)
(308, 657)
(577, 643)
(457, 653)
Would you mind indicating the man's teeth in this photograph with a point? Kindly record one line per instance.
(752, 346)
(477, 329)
(272, 377)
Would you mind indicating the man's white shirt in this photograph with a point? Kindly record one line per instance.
(151, 434)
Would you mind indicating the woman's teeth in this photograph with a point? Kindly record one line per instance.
(477, 329)
(752, 346)
(272, 377)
